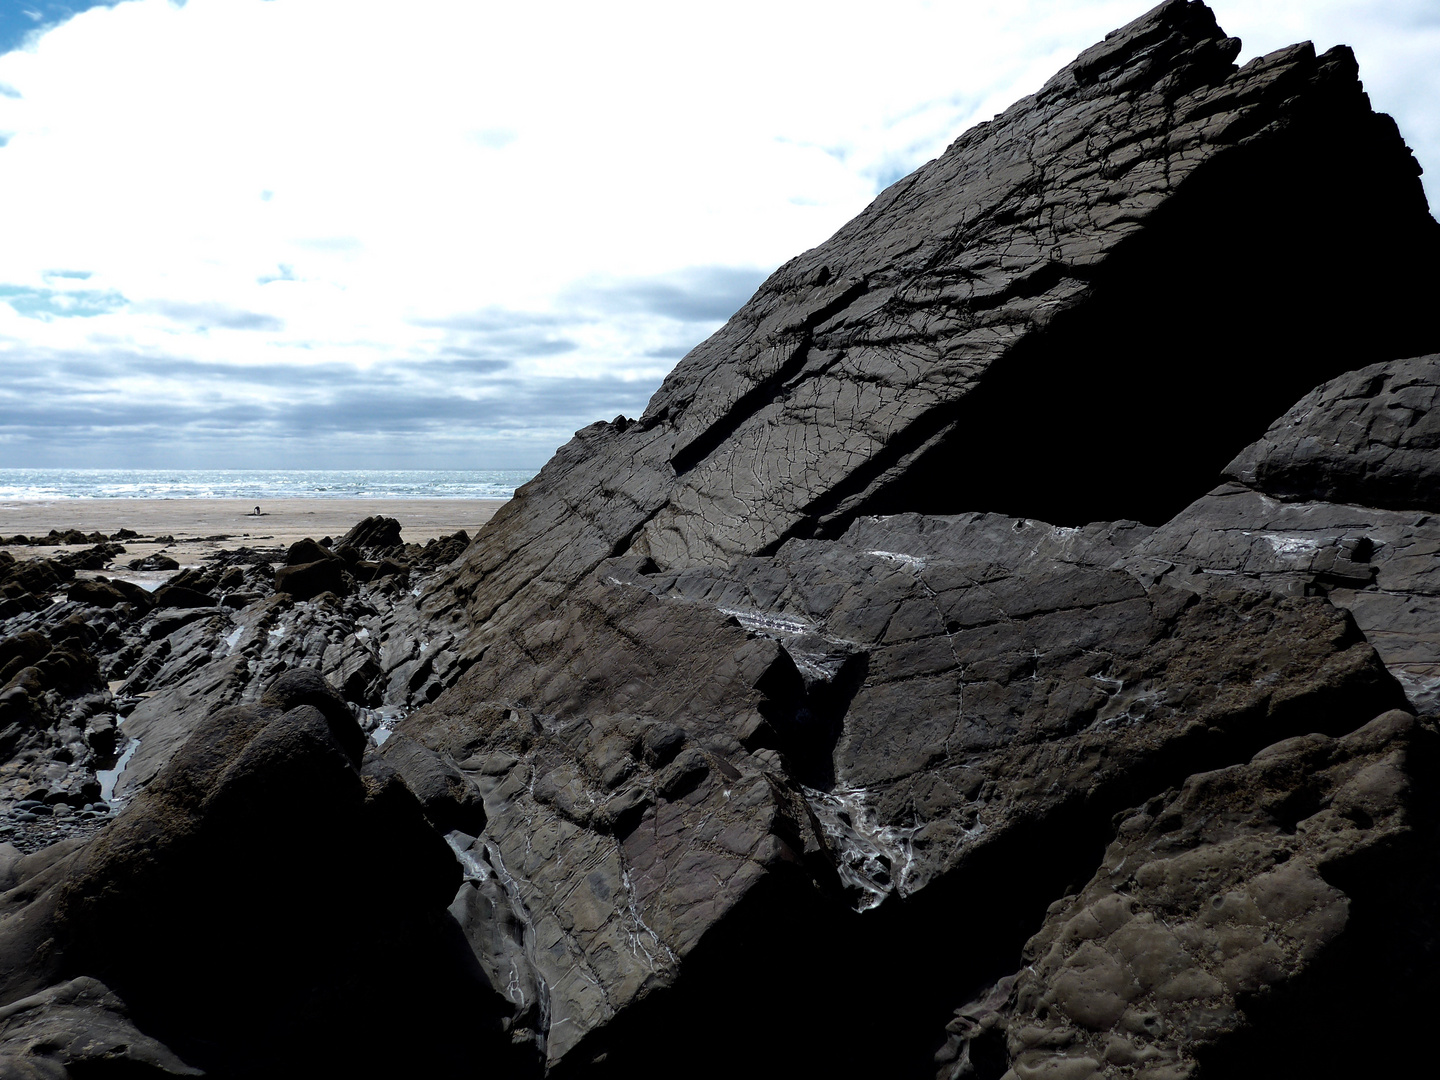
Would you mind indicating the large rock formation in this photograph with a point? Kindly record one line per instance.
(906, 626)
(777, 647)
(1080, 311)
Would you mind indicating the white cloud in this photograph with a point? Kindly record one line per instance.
(338, 185)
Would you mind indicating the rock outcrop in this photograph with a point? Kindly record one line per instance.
(837, 568)
(1070, 315)
(908, 625)
(268, 885)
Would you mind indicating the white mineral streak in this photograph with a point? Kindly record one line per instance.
(521, 913)
(109, 777)
(232, 639)
(1290, 546)
(914, 562)
(764, 622)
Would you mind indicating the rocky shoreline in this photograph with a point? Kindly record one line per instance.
(1006, 650)
(84, 652)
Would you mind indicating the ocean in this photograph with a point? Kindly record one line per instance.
(259, 484)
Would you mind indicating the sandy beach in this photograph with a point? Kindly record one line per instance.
(203, 526)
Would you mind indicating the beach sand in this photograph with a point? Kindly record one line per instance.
(197, 523)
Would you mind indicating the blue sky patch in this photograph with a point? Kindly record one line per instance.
(55, 304)
(20, 18)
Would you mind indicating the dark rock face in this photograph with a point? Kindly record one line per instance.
(1367, 437)
(306, 580)
(1243, 900)
(789, 660)
(225, 872)
(906, 626)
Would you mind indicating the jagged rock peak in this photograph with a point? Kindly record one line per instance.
(1080, 311)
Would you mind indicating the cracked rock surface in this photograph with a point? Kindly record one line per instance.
(818, 569)
(1336, 498)
(907, 625)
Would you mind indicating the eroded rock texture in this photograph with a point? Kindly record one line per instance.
(765, 730)
(1246, 900)
(791, 673)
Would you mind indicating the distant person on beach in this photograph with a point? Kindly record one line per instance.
(257, 511)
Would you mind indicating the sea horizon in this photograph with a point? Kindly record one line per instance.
(43, 485)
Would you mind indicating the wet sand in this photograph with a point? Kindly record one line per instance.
(196, 524)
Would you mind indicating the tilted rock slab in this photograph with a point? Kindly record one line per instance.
(763, 651)
(1080, 310)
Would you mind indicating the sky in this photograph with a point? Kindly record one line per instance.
(448, 233)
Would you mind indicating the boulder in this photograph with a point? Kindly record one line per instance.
(308, 580)
(178, 596)
(1223, 918)
(253, 866)
(372, 538)
(306, 551)
(95, 594)
(156, 561)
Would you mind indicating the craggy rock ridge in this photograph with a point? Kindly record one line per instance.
(778, 646)
(1006, 301)
(898, 696)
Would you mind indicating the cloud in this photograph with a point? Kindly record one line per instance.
(493, 321)
(322, 231)
(701, 294)
(475, 412)
(476, 364)
(204, 316)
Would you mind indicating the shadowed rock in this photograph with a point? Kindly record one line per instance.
(814, 557)
(1241, 902)
(263, 866)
